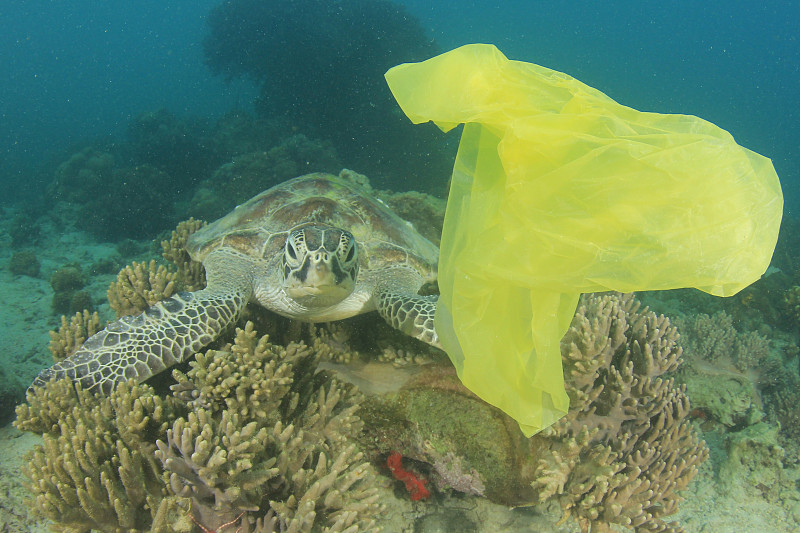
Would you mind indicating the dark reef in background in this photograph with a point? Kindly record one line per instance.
(114, 202)
(176, 146)
(320, 65)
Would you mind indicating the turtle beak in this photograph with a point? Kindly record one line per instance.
(319, 274)
(319, 277)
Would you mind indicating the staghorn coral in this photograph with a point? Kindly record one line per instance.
(139, 286)
(191, 275)
(72, 334)
(95, 468)
(273, 437)
(624, 450)
(619, 458)
(252, 435)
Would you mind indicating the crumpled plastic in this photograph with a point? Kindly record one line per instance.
(558, 190)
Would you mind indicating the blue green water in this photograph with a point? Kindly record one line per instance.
(83, 69)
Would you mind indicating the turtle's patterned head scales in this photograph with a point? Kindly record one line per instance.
(320, 264)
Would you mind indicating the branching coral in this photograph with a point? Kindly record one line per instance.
(714, 339)
(191, 275)
(251, 435)
(722, 368)
(272, 436)
(140, 286)
(95, 469)
(625, 450)
(71, 335)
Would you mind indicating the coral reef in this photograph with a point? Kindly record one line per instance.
(424, 211)
(134, 203)
(82, 176)
(24, 231)
(791, 302)
(433, 419)
(714, 339)
(621, 455)
(236, 133)
(68, 278)
(114, 202)
(332, 342)
(728, 398)
(96, 468)
(780, 389)
(11, 393)
(753, 462)
(176, 146)
(625, 449)
(190, 274)
(140, 286)
(71, 335)
(67, 283)
(251, 436)
(24, 263)
(734, 377)
(320, 65)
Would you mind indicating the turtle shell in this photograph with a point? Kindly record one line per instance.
(260, 226)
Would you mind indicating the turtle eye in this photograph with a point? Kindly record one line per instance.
(350, 254)
(290, 251)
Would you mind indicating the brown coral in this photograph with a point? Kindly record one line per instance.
(252, 435)
(139, 286)
(71, 335)
(95, 469)
(714, 339)
(273, 436)
(191, 275)
(625, 449)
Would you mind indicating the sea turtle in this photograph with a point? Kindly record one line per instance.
(315, 248)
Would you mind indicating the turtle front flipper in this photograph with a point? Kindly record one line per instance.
(137, 347)
(410, 313)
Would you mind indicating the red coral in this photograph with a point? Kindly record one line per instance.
(414, 485)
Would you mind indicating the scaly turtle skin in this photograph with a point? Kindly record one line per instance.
(315, 248)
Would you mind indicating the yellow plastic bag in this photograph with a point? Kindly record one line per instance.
(559, 190)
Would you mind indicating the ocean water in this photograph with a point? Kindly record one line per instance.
(120, 119)
(81, 70)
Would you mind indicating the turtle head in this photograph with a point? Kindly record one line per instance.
(320, 265)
